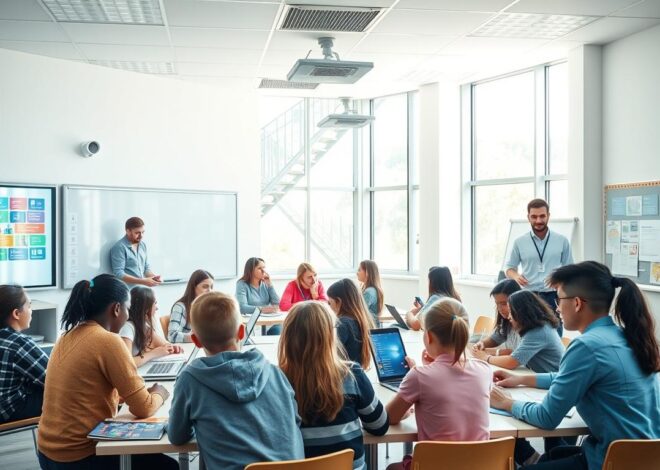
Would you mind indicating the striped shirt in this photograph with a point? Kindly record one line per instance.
(362, 409)
(179, 325)
(22, 369)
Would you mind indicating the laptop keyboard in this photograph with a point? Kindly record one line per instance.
(161, 367)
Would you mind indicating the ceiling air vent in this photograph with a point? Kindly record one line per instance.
(326, 18)
(285, 85)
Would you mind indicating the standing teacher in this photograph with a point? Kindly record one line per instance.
(128, 257)
(538, 253)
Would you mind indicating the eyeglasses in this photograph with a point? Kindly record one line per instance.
(566, 298)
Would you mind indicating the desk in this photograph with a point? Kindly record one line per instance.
(406, 431)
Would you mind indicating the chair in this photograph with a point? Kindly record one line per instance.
(632, 454)
(483, 324)
(496, 454)
(342, 460)
(165, 323)
(566, 341)
(29, 424)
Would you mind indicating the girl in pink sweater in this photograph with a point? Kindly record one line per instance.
(305, 286)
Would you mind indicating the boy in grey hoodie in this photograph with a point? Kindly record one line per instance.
(240, 407)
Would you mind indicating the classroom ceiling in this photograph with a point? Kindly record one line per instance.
(235, 43)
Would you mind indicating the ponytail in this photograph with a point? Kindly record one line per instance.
(444, 320)
(634, 316)
(89, 299)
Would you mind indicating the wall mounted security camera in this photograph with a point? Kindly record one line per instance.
(89, 149)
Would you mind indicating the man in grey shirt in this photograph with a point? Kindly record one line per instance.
(538, 253)
(128, 257)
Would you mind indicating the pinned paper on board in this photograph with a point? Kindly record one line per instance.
(650, 204)
(649, 240)
(634, 206)
(626, 261)
(654, 277)
(630, 231)
(613, 237)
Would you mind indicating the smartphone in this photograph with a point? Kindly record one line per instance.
(419, 300)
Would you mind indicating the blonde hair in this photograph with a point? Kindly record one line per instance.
(444, 321)
(309, 358)
(302, 269)
(214, 319)
(373, 280)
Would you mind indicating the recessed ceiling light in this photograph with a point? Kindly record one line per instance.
(531, 25)
(106, 11)
(158, 68)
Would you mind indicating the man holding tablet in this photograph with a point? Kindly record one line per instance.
(128, 257)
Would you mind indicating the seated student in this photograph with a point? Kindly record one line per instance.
(354, 322)
(609, 372)
(305, 286)
(199, 283)
(143, 333)
(22, 362)
(441, 285)
(372, 291)
(255, 289)
(89, 370)
(450, 391)
(239, 407)
(333, 396)
(503, 333)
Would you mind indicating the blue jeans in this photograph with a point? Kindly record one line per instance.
(110, 462)
(561, 458)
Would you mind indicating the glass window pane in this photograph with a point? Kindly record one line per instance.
(332, 159)
(558, 118)
(283, 232)
(504, 127)
(494, 207)
(414, 245)
(331, 229)
(414, 138)
(391, 229)
(391, 140)
(558, 199)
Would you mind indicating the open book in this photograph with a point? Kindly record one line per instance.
(138, 430)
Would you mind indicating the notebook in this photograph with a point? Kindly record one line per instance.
(389, 357)
(401, 323)
(128, 430)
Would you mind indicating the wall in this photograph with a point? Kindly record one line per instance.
(154, 132)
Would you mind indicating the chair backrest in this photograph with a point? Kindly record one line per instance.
(632, 454)
(342, 460)
(165, 323)
(19, 425)
(496, 454)
(483, 324)
(566, 341)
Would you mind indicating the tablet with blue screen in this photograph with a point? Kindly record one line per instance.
(389, 357)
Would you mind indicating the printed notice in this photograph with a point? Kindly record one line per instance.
(634, 206)
(654, 276)
(618, 206)
(649, 240)
(625, 262)
(630, 231)
(650, 204)
(613, 239)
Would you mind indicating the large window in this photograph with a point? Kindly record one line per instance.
(515, 149)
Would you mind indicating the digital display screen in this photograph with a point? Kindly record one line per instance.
(389, 354)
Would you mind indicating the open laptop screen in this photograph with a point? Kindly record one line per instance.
(249, 327)
(389, 354)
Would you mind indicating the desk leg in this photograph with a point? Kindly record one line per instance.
(264, 330)
(125, 462)
(371, 452)
(184, 459)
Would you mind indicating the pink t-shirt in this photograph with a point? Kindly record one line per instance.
(451, 402)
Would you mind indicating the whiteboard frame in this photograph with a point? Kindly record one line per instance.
(64, 198)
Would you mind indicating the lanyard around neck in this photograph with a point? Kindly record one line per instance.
(541, 253)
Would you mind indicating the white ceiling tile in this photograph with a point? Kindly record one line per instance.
(117, 34)
(214, 55)
(31, 31)
(607, 30)
(283, 57)
(431, 22)
(648, 9)
(454, 5)
(275, 71)
(220, 14)
(403, 43)
(126, 53)
(22, 10)
(303, 41)
(226, 83)
(570, 7)
(502, 46)
(211, 37)
(60, 50)
(216, 70)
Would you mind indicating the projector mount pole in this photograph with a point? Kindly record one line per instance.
(326, 44)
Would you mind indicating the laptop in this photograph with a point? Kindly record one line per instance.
(162, 369)
(389, 357)
(401, 323)
(249, 327)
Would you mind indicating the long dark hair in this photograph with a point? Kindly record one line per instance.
(12, 297)
(373, 280)
(594, 283)
(90, 299)
(441, 282)
(505, 287)
(353, 306)
(142, 301)
(530, 311)
(250, 264)
(196, 277)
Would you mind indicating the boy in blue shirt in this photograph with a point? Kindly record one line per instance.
(240, 407)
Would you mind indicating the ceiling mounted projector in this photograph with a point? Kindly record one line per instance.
(330, 69)
(346, 120)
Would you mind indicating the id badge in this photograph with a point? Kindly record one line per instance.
(541, 268)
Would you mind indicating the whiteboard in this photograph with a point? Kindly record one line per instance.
(518, 227)
(184, 230)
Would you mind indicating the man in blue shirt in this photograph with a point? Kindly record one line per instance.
(538, 253)
(128, 257)
(609, 373)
